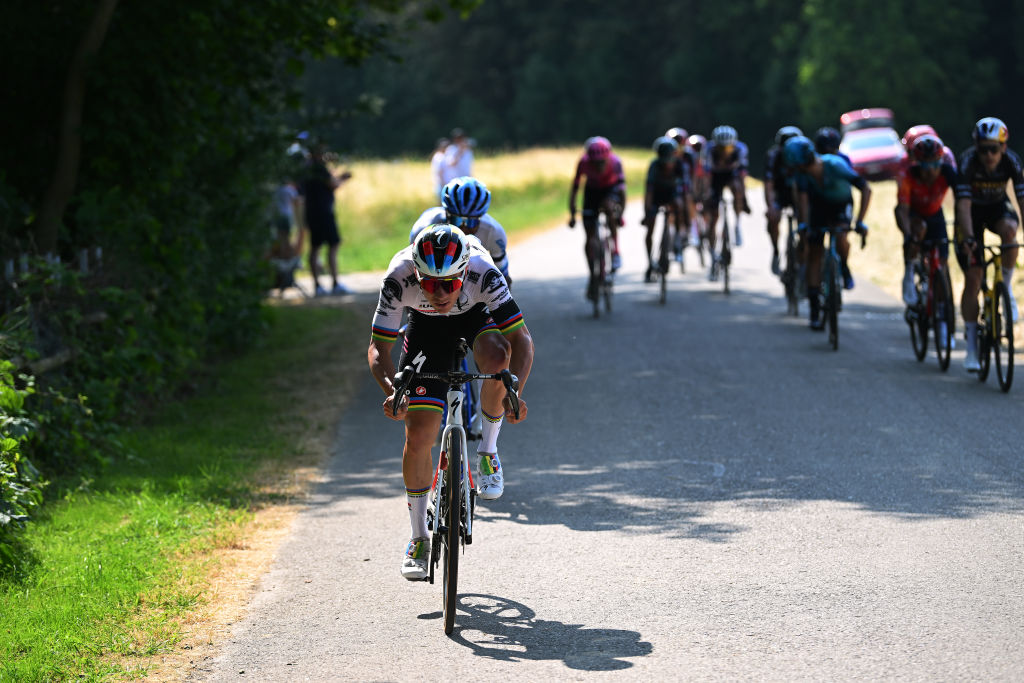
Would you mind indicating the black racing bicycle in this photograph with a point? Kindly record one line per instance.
(599, 263)
(720, 266)
(934, 307)
(452, 496)
(659, 269)
(995, 326)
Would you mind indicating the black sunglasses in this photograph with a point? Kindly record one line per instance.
(989, 149)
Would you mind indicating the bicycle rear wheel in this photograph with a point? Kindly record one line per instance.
(1002, 343)
(452, 521)
(917, 316)
(943, 317)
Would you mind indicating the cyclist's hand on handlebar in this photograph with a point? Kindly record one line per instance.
(508, 410)
(862, 230)
(403, 408)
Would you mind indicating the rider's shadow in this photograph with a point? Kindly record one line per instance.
(509, 631)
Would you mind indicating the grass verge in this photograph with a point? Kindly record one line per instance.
(530, 190)
(117, 581)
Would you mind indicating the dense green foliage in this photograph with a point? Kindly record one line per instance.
(533, 72)
(19, 492)
(181, 130)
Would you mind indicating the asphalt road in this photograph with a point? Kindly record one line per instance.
(703, 491)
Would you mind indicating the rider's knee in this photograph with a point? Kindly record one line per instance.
(492, 352)
(420, 434)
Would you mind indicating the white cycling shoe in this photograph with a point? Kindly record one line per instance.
(490, 481)
(971, 363)
(414, 563)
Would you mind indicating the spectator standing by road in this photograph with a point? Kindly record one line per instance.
(287, 212)
(458, 157)
(437, 163)
(318, 187)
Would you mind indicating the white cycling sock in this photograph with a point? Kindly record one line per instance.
(972, 336)
(489, 433)
(417, 500)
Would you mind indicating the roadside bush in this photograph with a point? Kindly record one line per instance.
(20, 486)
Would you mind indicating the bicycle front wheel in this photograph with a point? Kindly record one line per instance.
(452, 521)
(663, 259)
(943, 318)
(831, 279)
(1002, 343)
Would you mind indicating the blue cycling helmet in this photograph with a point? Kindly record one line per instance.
(798, 151)
(466, 196)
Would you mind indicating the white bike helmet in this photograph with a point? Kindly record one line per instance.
(440, 250)
(724, 135)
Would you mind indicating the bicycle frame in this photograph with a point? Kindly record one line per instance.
(925, 313)
(599, 249)
(454, 429)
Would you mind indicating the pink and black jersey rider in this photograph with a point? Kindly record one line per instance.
(600, 171)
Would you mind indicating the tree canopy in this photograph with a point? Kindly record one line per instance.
(534, 72)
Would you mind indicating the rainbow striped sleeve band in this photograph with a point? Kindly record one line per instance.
(384, 334)
(512, 324)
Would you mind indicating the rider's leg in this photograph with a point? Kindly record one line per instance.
(739, 206)
(843, 247)
(678, 238)
(1007, 229)
(417, 469)
(492, 353)
(910, 254)
(774, 216)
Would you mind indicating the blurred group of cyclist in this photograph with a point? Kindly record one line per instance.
(814, 179)
(687, 179)
(810, 177)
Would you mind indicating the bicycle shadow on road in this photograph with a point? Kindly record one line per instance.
(509, 631)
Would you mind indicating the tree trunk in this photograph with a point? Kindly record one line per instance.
(69, 145)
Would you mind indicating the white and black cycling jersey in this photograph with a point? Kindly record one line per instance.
(483, 284)
(489, 232)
